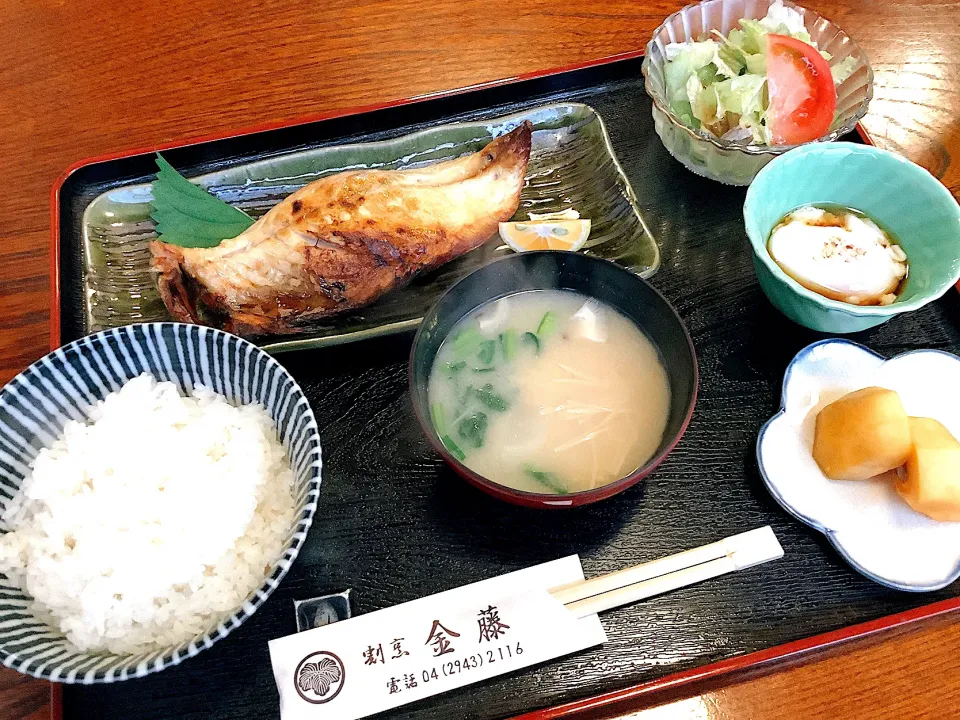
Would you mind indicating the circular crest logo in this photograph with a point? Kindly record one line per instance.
(319, 677)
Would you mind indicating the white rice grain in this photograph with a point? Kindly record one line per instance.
(138, 530)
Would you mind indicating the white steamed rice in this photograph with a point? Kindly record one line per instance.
(139, 530)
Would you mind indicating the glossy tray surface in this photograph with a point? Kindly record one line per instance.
(394, 524)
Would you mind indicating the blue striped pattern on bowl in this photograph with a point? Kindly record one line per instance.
(35, 406)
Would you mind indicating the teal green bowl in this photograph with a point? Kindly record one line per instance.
(902, 197)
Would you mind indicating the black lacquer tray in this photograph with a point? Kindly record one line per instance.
(394, 524)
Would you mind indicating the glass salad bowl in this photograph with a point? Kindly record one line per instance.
(726, 161)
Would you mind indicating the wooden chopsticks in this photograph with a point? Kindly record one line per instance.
(623, 587)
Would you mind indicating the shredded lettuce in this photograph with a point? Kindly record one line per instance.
(843, 69)
(719, 83)
(686, 60)
(754, 36)
(729, 61)
(784, 20)
(742, 95)
(704, 102)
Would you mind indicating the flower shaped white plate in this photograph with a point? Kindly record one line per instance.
(866, 521)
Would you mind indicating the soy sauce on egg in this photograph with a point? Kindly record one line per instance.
(840, 253)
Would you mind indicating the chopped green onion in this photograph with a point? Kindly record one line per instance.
(467, 342)
(528, 338)
(486, 351)
(508, 344)
(453, 448)
(465, 399)
(436, 417)
(484, 370)
(547, 479)
(492, 400)
(473, 428)
(547, 325)
(440, 425)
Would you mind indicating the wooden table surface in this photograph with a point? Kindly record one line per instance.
(81, 78)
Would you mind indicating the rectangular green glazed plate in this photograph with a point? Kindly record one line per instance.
(572, 165)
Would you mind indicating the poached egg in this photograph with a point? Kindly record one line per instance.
(841, 255)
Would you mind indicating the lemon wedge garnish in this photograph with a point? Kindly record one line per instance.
(540, 234)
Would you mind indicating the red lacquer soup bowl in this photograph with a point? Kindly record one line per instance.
(595, 278)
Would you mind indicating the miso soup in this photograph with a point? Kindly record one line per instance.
(549, 391)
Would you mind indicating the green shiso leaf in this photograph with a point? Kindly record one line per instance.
(189, 216)
(203, 230)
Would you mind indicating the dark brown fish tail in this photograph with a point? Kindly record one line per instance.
(165, 264)
(514, 147)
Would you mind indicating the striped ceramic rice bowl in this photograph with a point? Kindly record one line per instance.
(65, 389)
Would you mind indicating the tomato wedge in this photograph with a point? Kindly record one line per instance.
(802, 97)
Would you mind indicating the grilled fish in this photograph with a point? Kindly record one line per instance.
(343, 241)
